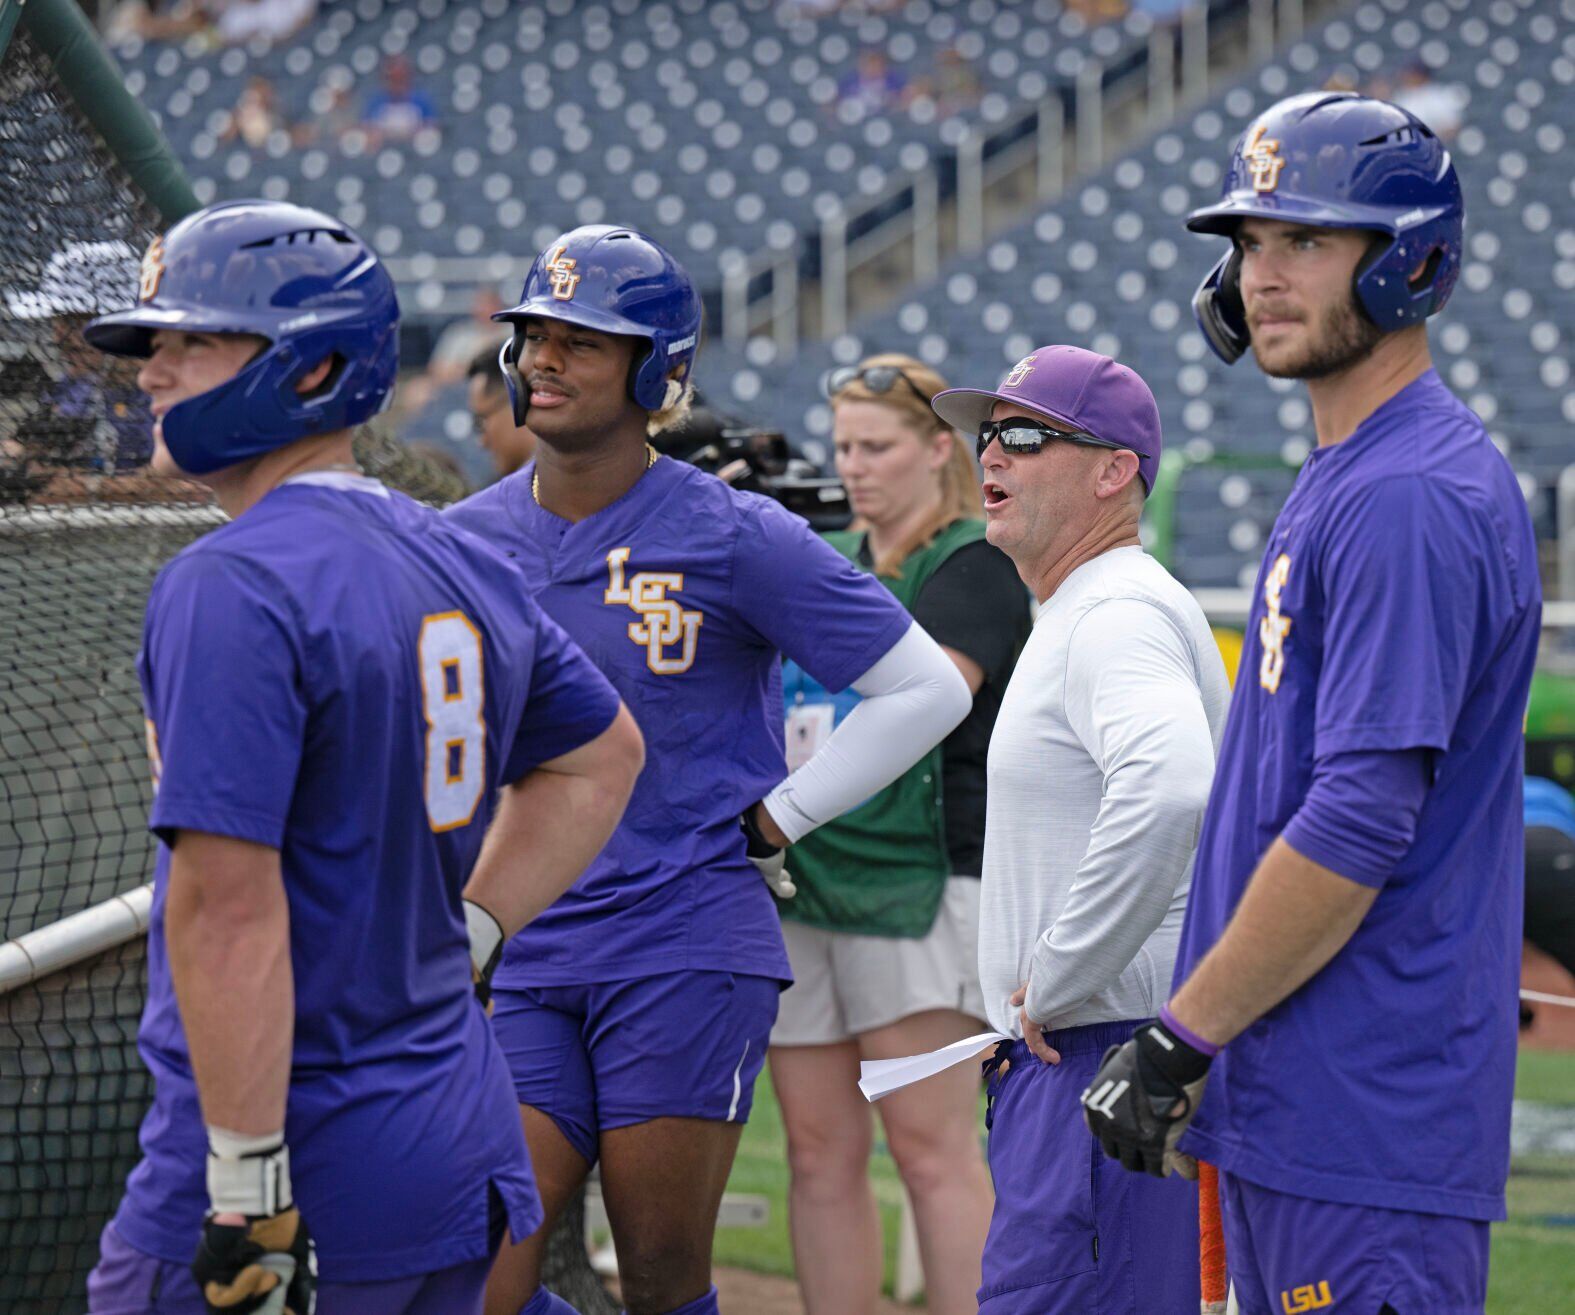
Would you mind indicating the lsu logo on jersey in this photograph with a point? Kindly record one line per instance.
(1264, 160)
(1310, 1296)
(663, 624)
(1019, 373)
(560, 272)
(152, 270)
(1273, 627)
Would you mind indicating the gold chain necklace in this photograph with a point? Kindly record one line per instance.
(535, 480)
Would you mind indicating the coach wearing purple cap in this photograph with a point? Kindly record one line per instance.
(1099, 769)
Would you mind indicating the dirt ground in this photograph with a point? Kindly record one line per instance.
(1554, 1028)
(743, 1293)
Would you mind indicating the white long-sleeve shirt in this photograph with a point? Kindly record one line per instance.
(1099, 770)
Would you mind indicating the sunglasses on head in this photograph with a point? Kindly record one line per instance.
(877, 378)
(1020, 437)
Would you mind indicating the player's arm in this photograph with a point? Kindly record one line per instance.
(1306, 899)
(909, 701)
(1294, 917)
(1132, 698)
(552, 822)
(222, 678)
(227, 930)
(227, 926)
(571, 769)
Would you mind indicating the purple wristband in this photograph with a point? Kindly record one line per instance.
(1187, 1034)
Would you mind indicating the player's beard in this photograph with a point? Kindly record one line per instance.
(1345, 336)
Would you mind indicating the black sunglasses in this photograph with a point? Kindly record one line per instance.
(877, 378)
(1024, 437)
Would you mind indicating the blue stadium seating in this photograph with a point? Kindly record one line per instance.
(1111, 267)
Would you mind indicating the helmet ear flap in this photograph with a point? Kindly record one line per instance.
(1218, 307)
(508, 364)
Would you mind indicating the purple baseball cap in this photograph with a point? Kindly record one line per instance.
(1072, 387)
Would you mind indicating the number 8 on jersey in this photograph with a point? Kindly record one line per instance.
(452, 699)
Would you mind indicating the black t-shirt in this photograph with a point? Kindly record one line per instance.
(974, 603)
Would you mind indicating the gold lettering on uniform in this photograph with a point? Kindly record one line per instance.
(663, 622)
(152, 270)
(1310, 1296)
(560, 271)
(1273, 628)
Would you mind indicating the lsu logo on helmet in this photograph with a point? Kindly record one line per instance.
(152, 270)
(560, 272)
(1263, 159)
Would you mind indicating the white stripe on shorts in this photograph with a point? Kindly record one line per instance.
(738, 1088)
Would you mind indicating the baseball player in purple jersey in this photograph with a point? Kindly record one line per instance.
(635, 1012)
(342, 692)
(1347, 976)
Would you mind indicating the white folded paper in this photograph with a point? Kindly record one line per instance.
(881, 1077)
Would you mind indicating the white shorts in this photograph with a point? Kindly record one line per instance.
(845, 983)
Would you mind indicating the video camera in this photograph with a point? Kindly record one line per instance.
(759, 461)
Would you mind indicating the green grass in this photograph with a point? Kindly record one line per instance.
(1533, 1267)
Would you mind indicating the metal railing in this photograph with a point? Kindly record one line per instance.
(1038, 138)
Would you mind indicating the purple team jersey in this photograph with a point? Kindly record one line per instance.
(684, 592)
(1398, 607)
(341, 675)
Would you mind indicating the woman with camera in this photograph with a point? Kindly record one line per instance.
(883, 932)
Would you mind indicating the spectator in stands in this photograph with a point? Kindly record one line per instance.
(953, 84)
(455, 348)
(1440, 105)
(883, 933)
(256, 115)
(488, 398)
(873, 84)
(460, 340)
(400, 109)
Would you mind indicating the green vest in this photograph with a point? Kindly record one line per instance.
(881, 869)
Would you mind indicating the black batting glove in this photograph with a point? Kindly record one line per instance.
(769, 861)
(1142, 1099)
(486, 949)
(266, 1265)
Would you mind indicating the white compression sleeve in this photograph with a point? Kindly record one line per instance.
(912, 698)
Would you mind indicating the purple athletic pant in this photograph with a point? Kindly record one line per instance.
(1072, 1231)
(130, 1282)
(1290, 1253)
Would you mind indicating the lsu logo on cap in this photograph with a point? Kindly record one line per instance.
(1310, 1296)
(1263, 159)
(560, 271)
(1020, 372)
(152, 270)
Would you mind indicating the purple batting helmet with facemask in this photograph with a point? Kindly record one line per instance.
(1339, 160)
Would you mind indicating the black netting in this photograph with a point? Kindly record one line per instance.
(83, 531)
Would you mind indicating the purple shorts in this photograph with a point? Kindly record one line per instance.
(1291, 1253)
(1073, 1231)
(612, 1054)
(130, 1282)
